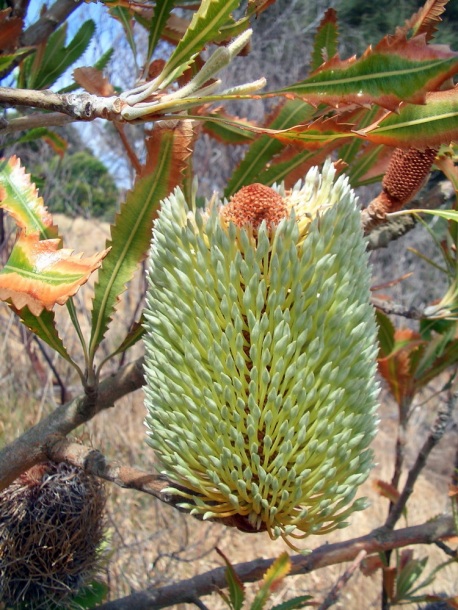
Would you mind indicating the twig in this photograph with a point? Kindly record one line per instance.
(336, 590)
(437, 432)
(48, 22)
(396, 309)
(94, 462)
(31, 447)
(328, 554)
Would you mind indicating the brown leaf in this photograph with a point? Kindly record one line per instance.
(10, 31)
(93, 81)
(182, 149)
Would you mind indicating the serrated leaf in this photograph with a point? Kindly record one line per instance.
(124, 16)
(53, 139)
(398, 368)
(162, 11)
(386, 334)
(40, 274)
(425, 126)
(19, 197)
(44, 327)
(297, 602)
(261, 152)
(99, 65)
(10, 30)
(228, 133)
(326, 38)
(7, 60)
(93, 81)
(271, 580)
(204, 27)
(235, 585)
(426, 20)
(131, 231)
(396, 70)
(133, 336)
(56, 59)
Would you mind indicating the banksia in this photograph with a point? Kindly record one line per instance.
(51, 528)
(260, 356)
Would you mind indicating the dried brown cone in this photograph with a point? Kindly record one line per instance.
(51, 529)
(406, 174)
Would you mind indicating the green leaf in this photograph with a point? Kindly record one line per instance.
(91, 595)
(19, 197)
(396, 70)
(162, 11)
(423, 126)
(132, 337)
(228, 133)
(124, 16)
(44, 327)
(8, 59)
(57, 142)
(272, 578)
(131, 232)
(235, 585)
(57, 58)
(447, 214)
(260, 153)
(204, 28)
(297, 602)
(385, 334)
(326, 38)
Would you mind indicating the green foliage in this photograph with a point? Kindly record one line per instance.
(82, 185)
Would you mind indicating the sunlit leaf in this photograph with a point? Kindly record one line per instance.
(271, 580)
(19, 197)
(39, 274)
(326, 38)
(131, 231)
(420, 126)
(426, 20)
(204, 26)
(396, 70)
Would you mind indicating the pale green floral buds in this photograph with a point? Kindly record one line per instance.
(260, 355)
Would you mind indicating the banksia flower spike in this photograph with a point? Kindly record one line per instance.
(260, 355)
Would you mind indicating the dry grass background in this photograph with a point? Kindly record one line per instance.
(150, 543)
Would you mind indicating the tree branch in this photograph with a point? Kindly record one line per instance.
(31, 447)
(78, 106)
(95, 463)
(48, 22)
(437, 432)
(328, 554)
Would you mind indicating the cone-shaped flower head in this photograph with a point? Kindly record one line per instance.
(260, 355)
